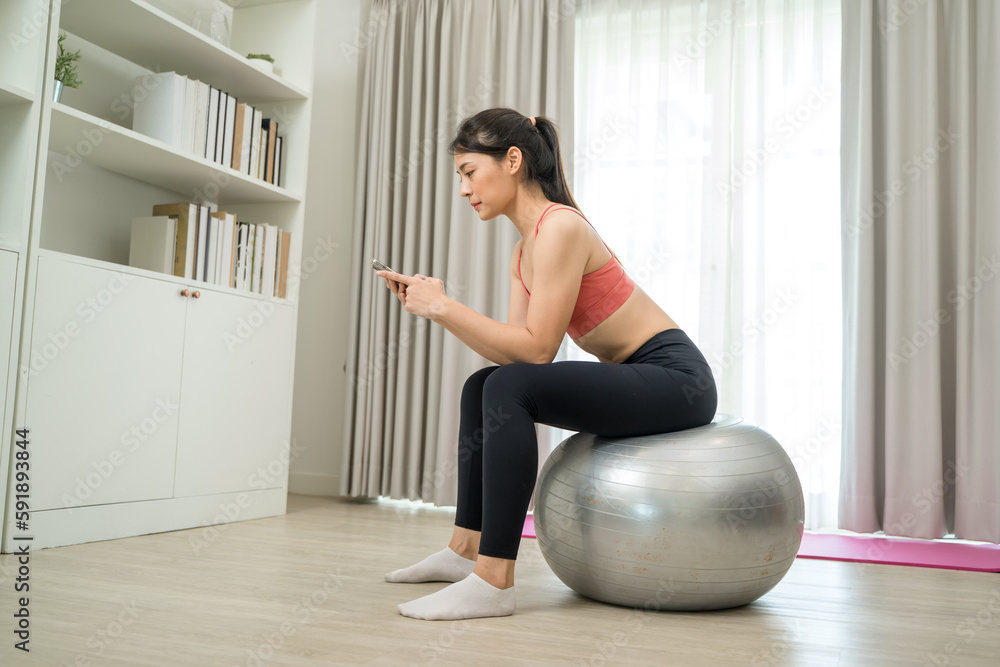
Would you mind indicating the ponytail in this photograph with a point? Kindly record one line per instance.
(494, 131)
(556, 188)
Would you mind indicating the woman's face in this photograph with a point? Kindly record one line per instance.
(485, 182)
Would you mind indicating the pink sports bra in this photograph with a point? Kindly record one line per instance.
(602, 292)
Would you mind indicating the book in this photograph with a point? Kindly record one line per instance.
(269, 258)
(152, 244)
(220, 127)
(284, 246)
(251, 250)
(255, 140)
(230, 128)
(278, 151)
(226, 248)
(233, 241)
(245, 140)
(190, 108)
(212, 249)
(271, 127)
(246, 255)
(160, 114)
(248, 263)
(277, 261)
(241, 109)
(258, 259)
(262, 167)
(187, 230)
(201, 118)
(241, 255)
(220, 221)
(212, 128)
(201, 250)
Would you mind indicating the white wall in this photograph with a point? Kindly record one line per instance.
(324, 299)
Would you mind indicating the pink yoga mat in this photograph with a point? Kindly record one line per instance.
(901, 551)
(885, 550)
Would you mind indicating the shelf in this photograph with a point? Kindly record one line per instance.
(254, 3)
(11, 247)
(11, 94)
(145, 273)
(137, 156)
(148, 37)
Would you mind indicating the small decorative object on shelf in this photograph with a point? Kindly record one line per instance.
(262, 61)
(216, 21)
(66, 64)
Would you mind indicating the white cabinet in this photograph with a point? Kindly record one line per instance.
(152, 402)
(235, 389)
(106, 349)
(204, 406)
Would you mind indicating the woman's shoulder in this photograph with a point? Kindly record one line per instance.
(556, 209)
(565, 219)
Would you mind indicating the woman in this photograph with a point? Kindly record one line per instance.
(651, 378)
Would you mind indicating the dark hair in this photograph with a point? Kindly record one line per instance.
(494, 131)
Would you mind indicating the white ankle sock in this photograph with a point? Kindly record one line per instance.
(471, 597)
(445, 565)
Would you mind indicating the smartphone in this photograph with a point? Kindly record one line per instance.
(379, 266)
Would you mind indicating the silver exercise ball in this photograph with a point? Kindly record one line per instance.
(707, 518)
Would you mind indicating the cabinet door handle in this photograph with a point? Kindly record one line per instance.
(185, 292)
(197, 295)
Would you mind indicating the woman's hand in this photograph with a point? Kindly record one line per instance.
(420, 295)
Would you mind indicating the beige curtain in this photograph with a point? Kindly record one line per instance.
(921, 222)
(426, 65)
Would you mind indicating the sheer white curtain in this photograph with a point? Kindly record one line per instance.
(707, 156)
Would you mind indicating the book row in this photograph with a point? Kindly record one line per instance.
(192, 241)
(193, 117)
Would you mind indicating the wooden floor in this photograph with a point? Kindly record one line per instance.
(307, 588)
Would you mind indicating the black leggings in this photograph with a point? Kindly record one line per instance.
(667, 385)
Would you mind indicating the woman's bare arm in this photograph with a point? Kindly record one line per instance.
(559, 257)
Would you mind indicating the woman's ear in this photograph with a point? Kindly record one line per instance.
(514, 160)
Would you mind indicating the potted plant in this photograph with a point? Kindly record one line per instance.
(262, 61)
(66, 64)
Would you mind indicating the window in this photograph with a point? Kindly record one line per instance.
(707, 156)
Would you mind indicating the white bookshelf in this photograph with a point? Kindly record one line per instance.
(92, 176)
(24, 25)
